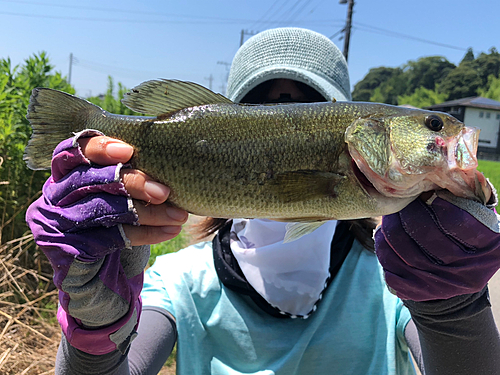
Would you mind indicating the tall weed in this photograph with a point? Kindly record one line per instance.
(19, 186)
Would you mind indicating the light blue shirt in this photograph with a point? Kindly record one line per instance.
(357, 329)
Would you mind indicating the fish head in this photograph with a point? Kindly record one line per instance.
(411, 151)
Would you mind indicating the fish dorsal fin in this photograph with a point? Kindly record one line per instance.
(162, 96)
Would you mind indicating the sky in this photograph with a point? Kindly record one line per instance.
(138, 40)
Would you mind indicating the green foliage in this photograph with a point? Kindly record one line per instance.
(492, 90)
(431, 79)
(111, 102)
(19, 185)
(422, 97)
(488, 64)
(167, 247)
(462, 82)
(426, 72)
(364, 89)
(469, 56)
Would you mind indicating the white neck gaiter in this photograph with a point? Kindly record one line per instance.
(289, 276)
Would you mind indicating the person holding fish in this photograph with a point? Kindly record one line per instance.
(300, 288)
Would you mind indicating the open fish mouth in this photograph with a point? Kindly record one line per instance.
(365, 183)
(462, 151)
(456, 172)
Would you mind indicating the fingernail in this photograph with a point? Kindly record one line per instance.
(171, 229)
(156, 190)
(177, 214)
(121, 151)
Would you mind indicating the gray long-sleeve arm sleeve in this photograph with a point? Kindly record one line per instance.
(148, 352)
(455, 336)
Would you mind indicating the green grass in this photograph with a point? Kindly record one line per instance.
(171, 246)
(491, 169)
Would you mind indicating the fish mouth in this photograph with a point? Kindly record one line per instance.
(462, 150)
(362, 179)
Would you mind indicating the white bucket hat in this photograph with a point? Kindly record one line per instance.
(292, 53)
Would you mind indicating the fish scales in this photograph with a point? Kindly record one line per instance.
(218, 159)
(294, 162)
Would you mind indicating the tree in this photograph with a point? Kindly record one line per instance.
(426, 72)
(492, 90)
(385, 85)
(422, 98)
(469, 56)
(365, 88)
(487, 65)
(462, 82)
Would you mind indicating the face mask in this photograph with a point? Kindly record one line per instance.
(289, 276)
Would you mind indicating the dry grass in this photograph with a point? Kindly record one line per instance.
(29, 334)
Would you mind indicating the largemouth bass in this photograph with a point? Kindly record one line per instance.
(295, 162)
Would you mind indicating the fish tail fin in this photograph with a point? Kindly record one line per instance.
(54, 116)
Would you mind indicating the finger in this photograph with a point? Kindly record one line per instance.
(159, 215)
(146, 235)
(104, 150)
(140, 186)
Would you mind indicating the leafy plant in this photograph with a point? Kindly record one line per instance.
(19, 186)
(111, 102)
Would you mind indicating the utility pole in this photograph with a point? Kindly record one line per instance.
(246, 32)
(70, 66)
(210, 79)
(348, 24)
(227, 65)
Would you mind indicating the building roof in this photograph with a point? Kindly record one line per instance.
(473, 101)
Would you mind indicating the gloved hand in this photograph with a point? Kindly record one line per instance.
(86, 224)
(438, 249)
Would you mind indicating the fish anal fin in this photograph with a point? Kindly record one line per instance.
(162, 96)
(304, 185)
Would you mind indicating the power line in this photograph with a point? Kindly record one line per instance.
(172, 18)
(135, 20)
(114, 10)
(337, 33)
(107, 69)
(267, 14)
(289, 10)
(378, 30)
(299, 11)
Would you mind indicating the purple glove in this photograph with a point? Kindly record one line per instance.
(442, 248)
(77, 223)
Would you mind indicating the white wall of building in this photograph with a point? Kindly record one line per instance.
(488, 120)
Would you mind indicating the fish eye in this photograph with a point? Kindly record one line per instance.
(434, 123)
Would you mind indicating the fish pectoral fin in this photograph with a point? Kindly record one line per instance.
(296, 230)
(304, 185)
(161, 96)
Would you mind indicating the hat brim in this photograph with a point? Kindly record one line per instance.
(313, 80)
